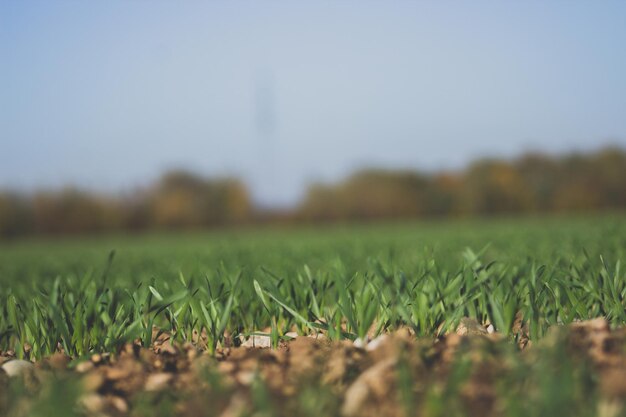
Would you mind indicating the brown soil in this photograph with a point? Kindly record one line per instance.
(394, 375)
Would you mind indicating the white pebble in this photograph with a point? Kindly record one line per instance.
(258, 342)
(360, 343)
(374, 344)
(17, 367)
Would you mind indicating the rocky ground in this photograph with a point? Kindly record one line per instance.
(575, 370)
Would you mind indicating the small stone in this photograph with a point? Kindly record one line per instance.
(375, 344)
(17, 367)
(119, 404)
(96, 358)
(84, 367)
(245, 377)
(118, 373)
(93, 381)
(226, 367)
(158, 381)
(360, 343)
(258, 342)
(92, 403)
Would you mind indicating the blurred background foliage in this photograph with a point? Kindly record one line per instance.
(530, 184)
(533, 183)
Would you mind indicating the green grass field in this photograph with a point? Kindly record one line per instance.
(348, 281)
(82, 296)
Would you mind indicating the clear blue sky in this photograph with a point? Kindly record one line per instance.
(109, 94)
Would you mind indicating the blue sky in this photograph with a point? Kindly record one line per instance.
(110, 94)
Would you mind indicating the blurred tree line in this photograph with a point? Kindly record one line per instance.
(531, 183)
(182, 200)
